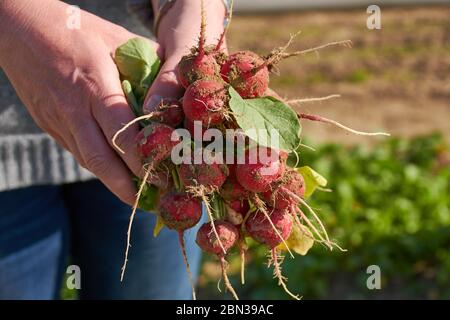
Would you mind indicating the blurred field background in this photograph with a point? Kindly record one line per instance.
(391, 197)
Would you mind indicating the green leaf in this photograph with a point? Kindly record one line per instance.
(265, 115)
(128, 90)
(158, 226)
(137, 62)
(300, 240)
(312, 180)
(149, 196)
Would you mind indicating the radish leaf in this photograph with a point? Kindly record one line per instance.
(312, 180)
(131, 98)
(158, 226)
(265, 120)
(149, 196)
(137, 62)
(300, 240)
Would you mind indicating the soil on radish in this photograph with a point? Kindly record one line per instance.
(179, 210)
(206, 100)
(246, 72)
(259, 176)
(154, 142)
(260, 229)
(278, 198)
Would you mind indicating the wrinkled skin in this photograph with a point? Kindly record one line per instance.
(69, 83)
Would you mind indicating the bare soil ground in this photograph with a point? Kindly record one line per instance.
(396, 79)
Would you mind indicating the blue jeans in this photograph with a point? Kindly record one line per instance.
(44, 228)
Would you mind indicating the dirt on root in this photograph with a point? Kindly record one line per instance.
(396, 79)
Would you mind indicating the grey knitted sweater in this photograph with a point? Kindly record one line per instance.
(29, 156)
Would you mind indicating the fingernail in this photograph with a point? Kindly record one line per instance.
(152, 103)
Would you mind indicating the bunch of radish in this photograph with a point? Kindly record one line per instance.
(252, 192)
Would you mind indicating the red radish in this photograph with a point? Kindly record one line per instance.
(261, 230)
(206, 239)
(196, 66)
(167, 110)
(180, 211)
(279, 196)
(232, 189)
(314, 117)
(236, 211)
(246, 72)
(205, 100)
(161, 179)
(228, 236)
(154, 142)
(209, 175)
(258, 177)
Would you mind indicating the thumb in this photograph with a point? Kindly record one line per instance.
(166, 84)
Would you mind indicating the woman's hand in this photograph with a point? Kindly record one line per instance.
(178, 32)
(69, 83)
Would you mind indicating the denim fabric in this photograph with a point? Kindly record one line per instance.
(42, 228)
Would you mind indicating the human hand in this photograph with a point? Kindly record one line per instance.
(69, 83)
(178, 32)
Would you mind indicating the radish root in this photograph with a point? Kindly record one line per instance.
(303, 202)
(280, 53)
(133, 213)
(345, 43)
(226, 281)
(277, 260)
(242, 251)
(188, 268)
(261, 206)
(313, 117)
(276, 55)
(129, 124)
(201, 191)
(293, 212)
(299, 101)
